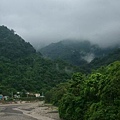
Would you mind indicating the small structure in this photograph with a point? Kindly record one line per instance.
(37, 95)
(1, 97)
(6, 97)
(16, 96)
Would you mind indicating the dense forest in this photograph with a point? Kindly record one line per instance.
(89, 91)
(89, 97)
(25, 70)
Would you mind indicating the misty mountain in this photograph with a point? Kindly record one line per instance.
(105, 60)
(23, 69)
(74, 51)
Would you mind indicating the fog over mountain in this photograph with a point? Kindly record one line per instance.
(45, 21)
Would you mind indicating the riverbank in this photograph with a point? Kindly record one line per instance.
(39, 110)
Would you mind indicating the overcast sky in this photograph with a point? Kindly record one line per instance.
(39, 21)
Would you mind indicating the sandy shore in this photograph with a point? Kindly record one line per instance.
(39, 110)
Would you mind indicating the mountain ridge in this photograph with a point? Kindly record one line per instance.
(74, 51)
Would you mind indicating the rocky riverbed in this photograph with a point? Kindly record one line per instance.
(29, 111)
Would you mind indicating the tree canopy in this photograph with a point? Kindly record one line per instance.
(90, 97)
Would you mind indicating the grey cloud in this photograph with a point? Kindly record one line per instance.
(40, 21)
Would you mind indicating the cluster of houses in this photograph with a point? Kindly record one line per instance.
(3, 97)
(17, 95)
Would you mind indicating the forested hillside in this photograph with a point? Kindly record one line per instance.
(23, 69)
(89, 92)
(105, 60)
(89, 97)
(13, 46)
(76, 52)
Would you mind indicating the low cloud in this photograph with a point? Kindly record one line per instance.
(46, 21)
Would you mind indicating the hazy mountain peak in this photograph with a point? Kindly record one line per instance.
(74, 51)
